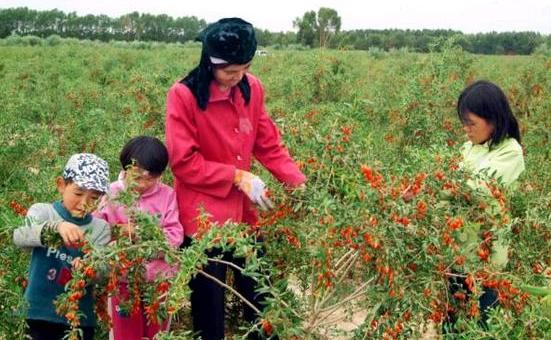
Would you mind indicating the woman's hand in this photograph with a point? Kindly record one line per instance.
(253, 187)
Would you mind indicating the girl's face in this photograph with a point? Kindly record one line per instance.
(141, 179)
(478, 129)
(230, 75)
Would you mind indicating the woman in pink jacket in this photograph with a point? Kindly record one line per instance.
(150, 157)
(216, 122)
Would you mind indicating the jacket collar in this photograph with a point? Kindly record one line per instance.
(66, 215)
(217, 95)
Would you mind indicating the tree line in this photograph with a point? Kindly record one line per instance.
(128, 27)
(314, 29)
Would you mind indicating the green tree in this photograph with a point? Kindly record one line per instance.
(317, 29)
(329, 24)
(191, 27)
(307, 28)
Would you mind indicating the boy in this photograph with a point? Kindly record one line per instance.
(85, 179)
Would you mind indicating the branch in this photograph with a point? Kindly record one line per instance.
(331, 309)
(231, 290)
(352, 296)
(322, 320)
(337, 319)
(338, 263)
(226, 263)
(349, 266)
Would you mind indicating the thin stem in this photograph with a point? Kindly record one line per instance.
(352, 296)
(291, 309)
(338, 263)
(343, 261)
(349, 265)
(456, 275)
(226, 263)
(331, 309)
(169, 323)
(116, 251)
(335, 320)
(313, 301)
(231, 290)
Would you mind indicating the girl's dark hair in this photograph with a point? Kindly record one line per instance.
(486, 100)
(149, 153)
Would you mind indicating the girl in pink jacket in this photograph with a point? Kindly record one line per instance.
(150, 156)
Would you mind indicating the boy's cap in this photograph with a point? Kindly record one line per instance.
(88, 171)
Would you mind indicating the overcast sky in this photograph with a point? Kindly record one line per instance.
(469, 16)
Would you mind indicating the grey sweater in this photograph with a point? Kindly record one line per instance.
(50, 268)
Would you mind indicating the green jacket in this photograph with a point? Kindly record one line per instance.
(505, 162)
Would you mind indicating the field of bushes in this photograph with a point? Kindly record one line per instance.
(346, 258)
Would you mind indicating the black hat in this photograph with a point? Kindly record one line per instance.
(229, 40)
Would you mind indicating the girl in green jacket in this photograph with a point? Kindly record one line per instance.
(494, 137)
(492, 152)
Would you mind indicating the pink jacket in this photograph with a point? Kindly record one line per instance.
(206, 147)
(160, 201)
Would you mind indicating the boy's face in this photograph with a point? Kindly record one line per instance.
(142, 180)
(78, 201)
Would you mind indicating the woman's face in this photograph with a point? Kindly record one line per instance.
(230, 75)
(478, 129)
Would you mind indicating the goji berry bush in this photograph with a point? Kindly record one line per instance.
(365, 251)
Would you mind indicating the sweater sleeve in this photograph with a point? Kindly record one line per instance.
(188, 165)
(173, 230)
(29, 234)
(102, 233)
(271, 153)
